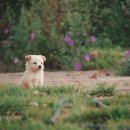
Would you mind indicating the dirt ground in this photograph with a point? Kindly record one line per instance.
(84, 79)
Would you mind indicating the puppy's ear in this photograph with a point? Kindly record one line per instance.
(28, 58)
(43, 57)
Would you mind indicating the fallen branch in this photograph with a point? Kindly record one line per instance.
(57, 113)
(99, 103)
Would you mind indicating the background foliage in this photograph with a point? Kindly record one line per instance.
(71, 34)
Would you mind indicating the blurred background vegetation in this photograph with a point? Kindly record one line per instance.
(72, 34)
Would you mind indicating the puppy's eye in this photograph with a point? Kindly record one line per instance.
(41, 63)
(34, 63)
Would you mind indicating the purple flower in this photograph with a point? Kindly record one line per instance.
(32, 36)
(16, 60)
(87, 57)
(93, 38)
(68, 40)
(77, 65)
(127, 53)
(6, 31)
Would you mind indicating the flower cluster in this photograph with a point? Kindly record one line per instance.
(127, 54)
(6, 28)
(16, 60)
(93, 38)
(78, 65)
(87, 57)
(70, 42)
(32, 36)
(5, 31)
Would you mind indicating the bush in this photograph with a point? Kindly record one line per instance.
(125, 64)
(65, 32)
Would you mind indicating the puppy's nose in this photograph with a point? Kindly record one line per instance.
(39, 66)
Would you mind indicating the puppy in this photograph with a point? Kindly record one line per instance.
(34, 73)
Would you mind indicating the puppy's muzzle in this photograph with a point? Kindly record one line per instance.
(39, 66)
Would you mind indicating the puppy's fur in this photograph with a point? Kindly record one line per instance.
(34, 73)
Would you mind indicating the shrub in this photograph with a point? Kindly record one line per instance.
(124, 69)
(64, 31)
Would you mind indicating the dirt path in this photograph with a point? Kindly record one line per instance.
(85, 79)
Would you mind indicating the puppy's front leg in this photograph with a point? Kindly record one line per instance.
(26, 84)
(35, 82)
(41, 82)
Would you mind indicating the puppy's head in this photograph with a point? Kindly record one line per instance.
(35, 63)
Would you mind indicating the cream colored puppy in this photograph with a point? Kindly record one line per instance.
(34, 73)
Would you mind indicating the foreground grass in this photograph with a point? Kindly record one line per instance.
(61, 108)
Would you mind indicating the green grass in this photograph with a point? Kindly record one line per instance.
(103, 89)
(33, 109)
